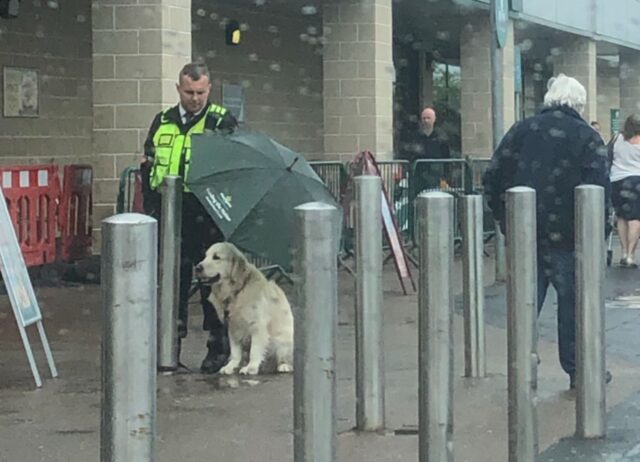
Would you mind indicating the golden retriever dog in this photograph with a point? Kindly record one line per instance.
(257, 310)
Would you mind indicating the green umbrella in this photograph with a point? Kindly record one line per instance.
(250, 184)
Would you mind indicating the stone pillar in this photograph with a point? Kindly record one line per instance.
(608, 96)
(138, 51)
(577, 58)
(531, 101)
(629, 83)
(475, 76)
(426, 79)
(358, 78)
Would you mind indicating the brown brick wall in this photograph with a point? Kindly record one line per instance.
(57, 43)
(278, 62)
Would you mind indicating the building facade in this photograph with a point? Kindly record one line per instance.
(327, 78)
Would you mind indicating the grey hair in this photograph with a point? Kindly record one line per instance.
(194, 71)
(631, 127)
(565, 91)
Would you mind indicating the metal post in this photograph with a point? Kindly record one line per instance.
(369, 335)
(473, 285)
(497, 84)
(435, 333)
(129, 269)
(497, 119)
(314, 380)
(591, 405)
(501, 258)
(521, 323)
(170, 235)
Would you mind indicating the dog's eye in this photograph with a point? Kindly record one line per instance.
(215, 257)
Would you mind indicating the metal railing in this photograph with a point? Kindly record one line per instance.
(333, 174)
(395, 176)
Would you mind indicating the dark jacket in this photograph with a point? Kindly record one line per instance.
(228, 123)
(151, 199)
(423, 146)
(552, 152)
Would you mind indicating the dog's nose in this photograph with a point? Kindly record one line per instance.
(199, 268)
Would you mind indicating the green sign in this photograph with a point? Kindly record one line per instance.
(615, 121)
(501, 19)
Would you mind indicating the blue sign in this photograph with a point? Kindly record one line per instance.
(501, 19)
(14, 272)
(517, 58)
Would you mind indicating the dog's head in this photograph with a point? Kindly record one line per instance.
(223, 261)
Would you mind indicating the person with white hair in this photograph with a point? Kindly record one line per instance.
(552, 152)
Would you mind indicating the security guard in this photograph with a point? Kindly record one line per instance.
(167, 152)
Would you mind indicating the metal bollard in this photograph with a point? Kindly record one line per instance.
(129, 269)
(369, 335)
(170, 235)
(473, 286)
(591, 405)
(314, 379)
(435, 324)
(497, 119)
(521, 323)
(501, 259)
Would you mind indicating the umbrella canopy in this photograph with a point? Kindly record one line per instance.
(250, 184)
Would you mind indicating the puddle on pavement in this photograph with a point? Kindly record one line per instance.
(4, 411)
(230, 382)
(184, 385)
(628, 301)
(75, 432)
(624, 298)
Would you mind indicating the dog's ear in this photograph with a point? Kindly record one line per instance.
(238, 265)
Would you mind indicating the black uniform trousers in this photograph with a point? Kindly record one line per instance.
(199, 232)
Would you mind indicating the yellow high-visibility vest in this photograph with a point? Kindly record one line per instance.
(173, 148)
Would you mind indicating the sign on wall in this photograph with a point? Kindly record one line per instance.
(20, 92)
(18, 286)
(233, 100)
(615, 121)
(517, 55)
(501, 18)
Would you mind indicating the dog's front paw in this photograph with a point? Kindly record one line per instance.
(229, 369)
(284, 367)
(249, 369)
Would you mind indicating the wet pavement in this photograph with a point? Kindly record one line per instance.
(622, 294)
(238, 419)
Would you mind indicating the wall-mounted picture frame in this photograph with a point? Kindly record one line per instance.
(20, 92)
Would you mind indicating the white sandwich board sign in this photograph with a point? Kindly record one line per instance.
(18, 285)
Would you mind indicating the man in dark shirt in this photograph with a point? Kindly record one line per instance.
(430, 143)
(427, 143)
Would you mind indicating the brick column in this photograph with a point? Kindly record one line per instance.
(608, 96)
(475, 81)
(358, 78)
(577, 59)
(138, 51)
(629, 83)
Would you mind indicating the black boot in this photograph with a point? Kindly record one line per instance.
(215, 359)
(608, 377)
